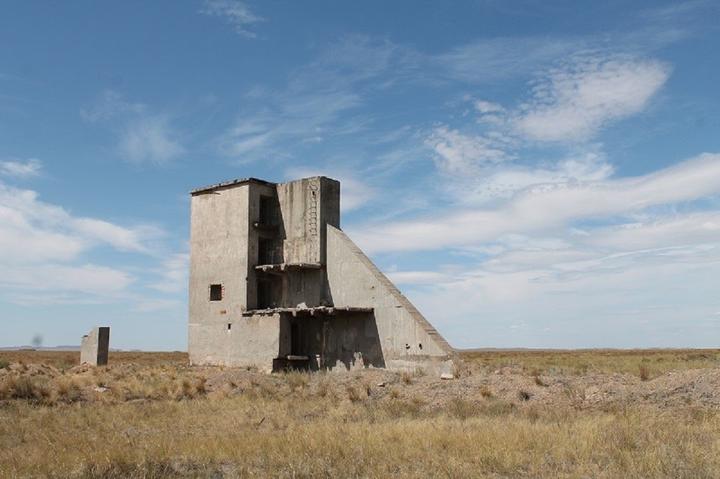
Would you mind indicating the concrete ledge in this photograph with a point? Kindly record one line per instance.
(315, 311)
(228, 184)
(282, 267)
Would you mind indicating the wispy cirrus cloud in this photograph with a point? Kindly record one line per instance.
(143, 136)
(173, 274)
(547, 206)
(648, 277)
(235, 12)
(462, 154)
(19, 168)
(320, 102)
(149, 140)
(494, 59)
(574, 101)
(570, 104)
(109, 105)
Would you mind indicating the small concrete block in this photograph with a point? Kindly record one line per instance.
(94, 347)
(447, 376)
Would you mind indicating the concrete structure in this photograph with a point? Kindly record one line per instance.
(94, 347)
(274, 283)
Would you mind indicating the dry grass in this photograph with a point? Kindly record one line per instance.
(654, 361)
(158, 418)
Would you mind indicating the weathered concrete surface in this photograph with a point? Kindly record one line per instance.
(218, 255)
(94, 347)
(242, 341)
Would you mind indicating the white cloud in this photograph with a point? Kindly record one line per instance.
(121, 238)
(575, 101)
(499, 58)
(418, 277)
(154, 305)
(507, 180)
(570, 103)
(20, 169)
(22, 241)
(149, 139)
(235, 12)
(33, 230)
(43, 250)
(90, 279)
(173, 274)
(317, 104)
(649, 279)
(110, 105)
(297, 118)
(463, 154)
(485, 107)
(667, 231)
(650, 303)
(142, 135)
(548, 206)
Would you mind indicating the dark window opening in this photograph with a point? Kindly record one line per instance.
(268, 252)
(295, 342)
(268, 211)
(216, 292)
(229, 326)
(265, 294)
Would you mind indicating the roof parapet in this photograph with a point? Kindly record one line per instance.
(229, 184)
(241, 181)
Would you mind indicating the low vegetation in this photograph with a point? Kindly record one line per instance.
(521, 414)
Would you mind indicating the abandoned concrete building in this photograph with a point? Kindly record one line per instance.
(275, 283)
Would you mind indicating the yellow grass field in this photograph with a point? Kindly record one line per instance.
(573, 414)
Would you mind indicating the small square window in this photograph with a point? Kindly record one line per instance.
(216, 292)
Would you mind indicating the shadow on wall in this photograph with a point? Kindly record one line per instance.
(350, 340)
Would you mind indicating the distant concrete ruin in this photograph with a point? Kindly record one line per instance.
(94, 347)
(275, 283)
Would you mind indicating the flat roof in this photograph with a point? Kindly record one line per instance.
(229, 183)
(242, 181)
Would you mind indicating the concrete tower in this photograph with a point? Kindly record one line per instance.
(275, 283)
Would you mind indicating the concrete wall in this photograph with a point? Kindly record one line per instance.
(95, 346)
(405, 336)
(248, 341)
(305, 286)
(219, 232)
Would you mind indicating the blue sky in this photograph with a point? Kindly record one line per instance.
(531, 174)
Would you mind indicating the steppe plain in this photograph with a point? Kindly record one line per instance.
(527, 413)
